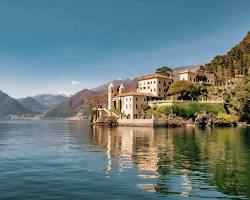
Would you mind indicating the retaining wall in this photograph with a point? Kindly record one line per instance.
(143, 122)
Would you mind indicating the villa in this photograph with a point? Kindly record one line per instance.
(197, 77)
(131, 104)
(156, 84)
(151, 90)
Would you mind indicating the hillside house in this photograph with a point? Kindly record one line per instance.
(197, 77)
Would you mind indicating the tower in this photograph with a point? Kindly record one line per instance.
(110, 96)
(121, 89)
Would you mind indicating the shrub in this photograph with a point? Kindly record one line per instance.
(189, 110)
(227, 117)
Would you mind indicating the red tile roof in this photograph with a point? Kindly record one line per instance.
(151, 76)
(135, 94)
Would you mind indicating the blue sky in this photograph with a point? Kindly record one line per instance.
(51, 46)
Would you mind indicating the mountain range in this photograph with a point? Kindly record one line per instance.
(49, 101)
(32, 104)
(10, 106)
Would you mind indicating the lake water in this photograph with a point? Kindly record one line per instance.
(70, 160)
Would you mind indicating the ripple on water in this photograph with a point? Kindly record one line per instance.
(71, 160)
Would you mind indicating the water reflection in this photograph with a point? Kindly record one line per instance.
(183, 162)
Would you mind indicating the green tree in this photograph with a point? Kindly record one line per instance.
(164, 69)
(184, 90)
(238, 99)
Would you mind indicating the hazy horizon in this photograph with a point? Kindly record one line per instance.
(60, 46)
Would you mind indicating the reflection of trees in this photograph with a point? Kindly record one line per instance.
(218, 157)
(229, 161)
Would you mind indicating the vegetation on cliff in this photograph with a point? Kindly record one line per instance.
(190, 110)
(237, 99)
(235, 62)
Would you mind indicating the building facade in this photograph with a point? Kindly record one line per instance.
(155, 84)
(197, 77)
(131, 104)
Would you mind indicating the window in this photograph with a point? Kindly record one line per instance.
(151, 90)
(136, 98)
(169, 83)
(148, 87)
(136, 106)
(148, 83)
(159, 89)
(190, 79)
(159, 82)
(154, 82)
(154, 89)
(144, 88)
(194, 79)
(140, 88)
(126, 106)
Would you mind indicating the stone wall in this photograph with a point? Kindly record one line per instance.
(143, 122)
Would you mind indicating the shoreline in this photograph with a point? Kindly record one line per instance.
(133, 123)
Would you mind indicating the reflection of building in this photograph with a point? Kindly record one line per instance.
(125, 160)
(134, 146)
(197, 77)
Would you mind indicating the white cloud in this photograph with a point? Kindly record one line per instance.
(74, 82)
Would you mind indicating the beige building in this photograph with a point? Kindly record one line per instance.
(131, 104)
(156, 84)
(196, 77)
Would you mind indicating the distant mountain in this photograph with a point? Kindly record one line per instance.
(71, 107)
(10, 106)
(50, 101)
(234, 62)
(32, 104)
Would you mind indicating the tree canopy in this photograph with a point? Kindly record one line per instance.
(238, 99)
(235, 62)
(184, 90)
(164, 69)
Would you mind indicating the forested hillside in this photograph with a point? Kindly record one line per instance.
(235, 62)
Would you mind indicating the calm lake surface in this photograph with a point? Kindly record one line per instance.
(70, 160)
